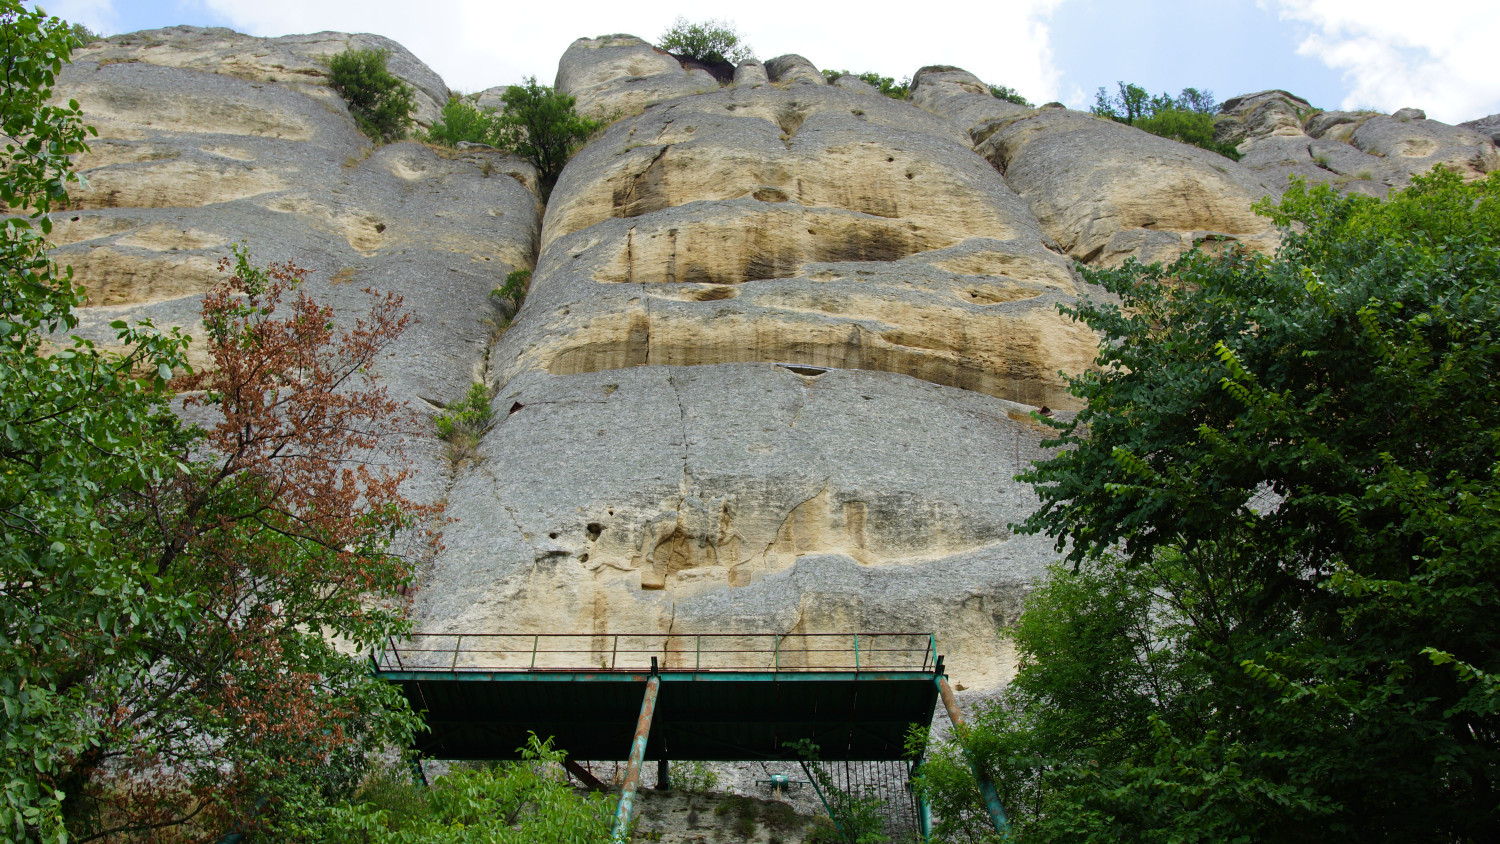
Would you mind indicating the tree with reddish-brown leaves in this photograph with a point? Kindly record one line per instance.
(280, 531)
(274, 543)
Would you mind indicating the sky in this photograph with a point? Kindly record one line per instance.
(1337, 54)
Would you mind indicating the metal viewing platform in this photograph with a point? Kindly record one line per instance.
(672, 696)
(724, 697)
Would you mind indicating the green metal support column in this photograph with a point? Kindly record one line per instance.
(986, 788)
(924, 809)
(812, 778)
(637, 758)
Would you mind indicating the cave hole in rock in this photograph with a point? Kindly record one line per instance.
(804, 370)
(594, 530)
(552, 536)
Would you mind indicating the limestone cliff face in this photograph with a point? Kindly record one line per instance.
(783, 338)
(209, 137)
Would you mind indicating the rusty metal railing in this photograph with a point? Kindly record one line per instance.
(775, 652)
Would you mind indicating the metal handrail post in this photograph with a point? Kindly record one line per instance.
(698, 653)
(535, 641)
(856, 652)
(457, 644)
(614, 652)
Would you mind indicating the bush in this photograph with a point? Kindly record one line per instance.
(711, 42)
(695, 779)
(529, 801)
(462, 120)
(541, 126)
(885, 84)
(1186, 118)
(468, 418)
(380, 103)
(1010, 95)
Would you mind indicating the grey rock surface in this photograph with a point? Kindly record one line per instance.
(1092, 182)
(959, 96)
(751, 73)
(743, 498)
(615, 76)
(808, 224)
(850, 82)
(299, 62)
(189, 161)
(1486, 126)
(792, 69)
(1282, 136)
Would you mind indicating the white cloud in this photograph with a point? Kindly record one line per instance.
(1439, 57)
(476, 44)
(97, 15)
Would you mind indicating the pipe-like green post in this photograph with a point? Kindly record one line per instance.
(924, 809)
(637, 757)
(813, 778)
(986, 788)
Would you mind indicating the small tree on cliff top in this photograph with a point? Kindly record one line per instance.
(541, 126)
(710, 41)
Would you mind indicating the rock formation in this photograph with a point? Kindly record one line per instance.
(208, 137)
(777, 367)
(1282, 135)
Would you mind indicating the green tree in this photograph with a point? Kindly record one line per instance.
(885, 84)
(1187, 118)
(169, 594)
(380, 104)
(462, 120)
(1280, 502)
(77, 427)
(1010, 95)
(541, 126)
(710, 41)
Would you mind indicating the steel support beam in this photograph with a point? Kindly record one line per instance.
(986, 788)
(589, 781)
(637, 756)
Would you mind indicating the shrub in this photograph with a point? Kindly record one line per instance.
(1186, 118)
(462, 120)
(466, 421)
(380, 103)
(695, 779)
(1010, 95)
(529, 800)
(885, 84)
(541, 126)
(1188, 127)
(712, 42)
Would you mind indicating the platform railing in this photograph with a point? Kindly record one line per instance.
(699, 652)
